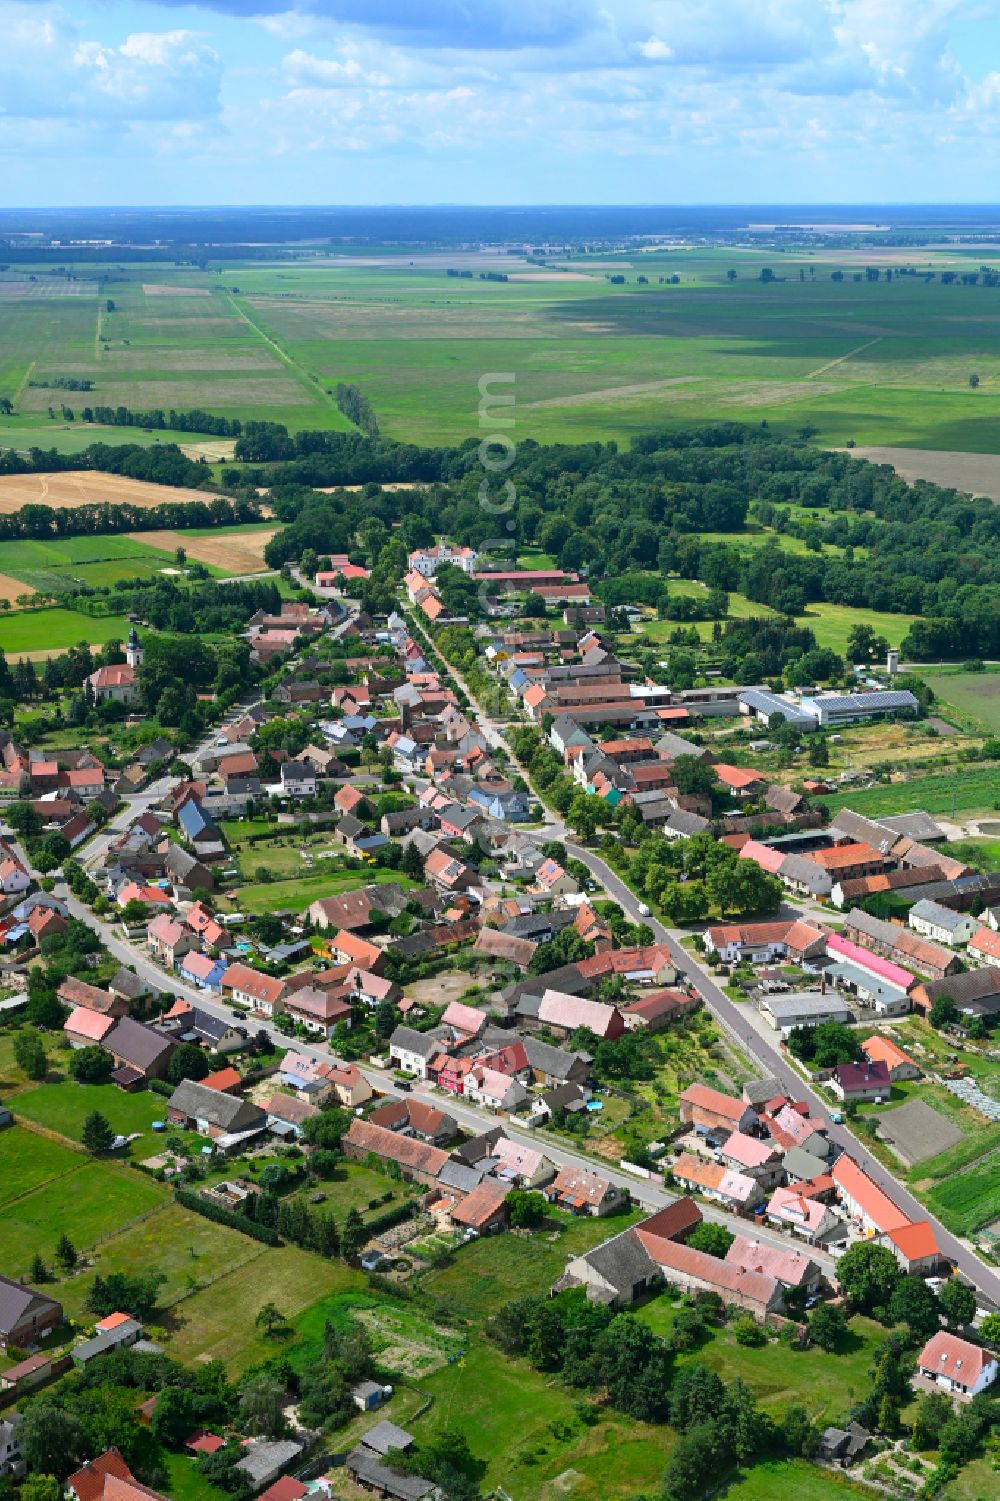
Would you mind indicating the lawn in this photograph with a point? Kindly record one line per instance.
(28, 1160)
(791, 1480)
(295, 895)
(527, 1429)
(217, 1323)
(94, 1201)
(354, 1187)
(962, 792)
(64, 1107)
(499, 1267)
(833, 624)
(45, 632)
(186, 1483)
(189, 1249)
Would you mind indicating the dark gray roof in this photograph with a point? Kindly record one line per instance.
(682, 821)
(758, 1091)
(138, 1045)
(977, 987)
(800, 1164)
(15, 1301)
(622, 1261)
(557, 1062)
(478, 1147)
(205, 1025)
(385, 1436)
(919, 826)
(412, 1041)
(459, 1175)
(227, 1111)
(128, 984)
(376, 1476)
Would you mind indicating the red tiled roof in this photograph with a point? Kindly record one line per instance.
(88, 1483)
(947, 1355)
(915, 1241)
(876, 1205)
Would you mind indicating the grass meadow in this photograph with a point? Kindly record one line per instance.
(57, 1190)
(45, 632)
(48, 566)
(65, 1106)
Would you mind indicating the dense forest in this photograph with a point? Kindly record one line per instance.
(875, 542)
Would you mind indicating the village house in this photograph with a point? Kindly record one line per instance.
(249, 987)
(25, 1314)
(83, 1028)
(416, 1118)
(941, 924)
(411, 1051)
(140, 1053)
(713, 1180)
(956, 1366)
(857, 1083)
(318, 1010)
(418, 1161)
(805, 1216)
(582, 1191)
(878, 1049)
(708, 1109)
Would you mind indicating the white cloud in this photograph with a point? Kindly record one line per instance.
(50, 70)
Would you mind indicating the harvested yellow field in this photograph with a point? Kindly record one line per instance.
(87, 487)
(11, 588)
(236, 552)
(214, 450)
(173, 289)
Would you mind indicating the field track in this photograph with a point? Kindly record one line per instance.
(84, 487)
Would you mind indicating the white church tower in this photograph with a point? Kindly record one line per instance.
(133, 649)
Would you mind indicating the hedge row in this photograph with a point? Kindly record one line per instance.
(226, 1217)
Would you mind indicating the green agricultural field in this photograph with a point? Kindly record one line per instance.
(169, 342)
(64, 1107)
(967, 791)
(976, 695)
(94, 1201)
(27, 1161)
(970, 1199)
(63, 562)
(42, 633)
(875, 363)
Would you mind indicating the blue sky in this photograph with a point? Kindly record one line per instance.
(498, 101)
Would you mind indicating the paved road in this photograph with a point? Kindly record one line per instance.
(772, 1062)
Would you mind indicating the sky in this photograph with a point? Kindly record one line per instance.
(139, 102)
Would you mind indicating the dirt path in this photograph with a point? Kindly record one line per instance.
(611, 393)
(842, 358)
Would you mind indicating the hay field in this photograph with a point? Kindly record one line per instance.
(235, 551)
(85, 487)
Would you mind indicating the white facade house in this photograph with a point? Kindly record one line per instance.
(426, 561)
(298, 779)
(957, 1366)
(411, 1051)
(941, 924)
